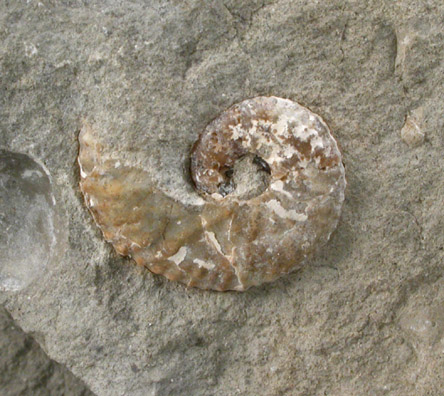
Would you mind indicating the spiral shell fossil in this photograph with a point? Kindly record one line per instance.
(269, 184)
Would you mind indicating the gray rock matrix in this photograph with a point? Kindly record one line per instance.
(26, 370)
(365, 318)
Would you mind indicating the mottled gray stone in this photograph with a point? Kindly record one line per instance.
(26, 370)
(164, 70)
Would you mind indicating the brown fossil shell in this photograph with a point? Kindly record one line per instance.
(270, 186)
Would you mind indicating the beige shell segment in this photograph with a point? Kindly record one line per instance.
(236, 238)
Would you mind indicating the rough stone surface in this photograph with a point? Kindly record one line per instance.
(26, 370)
(365, 317)
(411, 132)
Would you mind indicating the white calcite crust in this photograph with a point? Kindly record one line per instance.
(252, 227)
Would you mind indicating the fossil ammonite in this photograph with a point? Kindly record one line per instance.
(270, 185)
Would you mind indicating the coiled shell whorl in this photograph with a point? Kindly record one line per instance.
(271, 181)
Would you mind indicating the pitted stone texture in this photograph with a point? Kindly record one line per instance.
(154, 74)
(26, 370)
